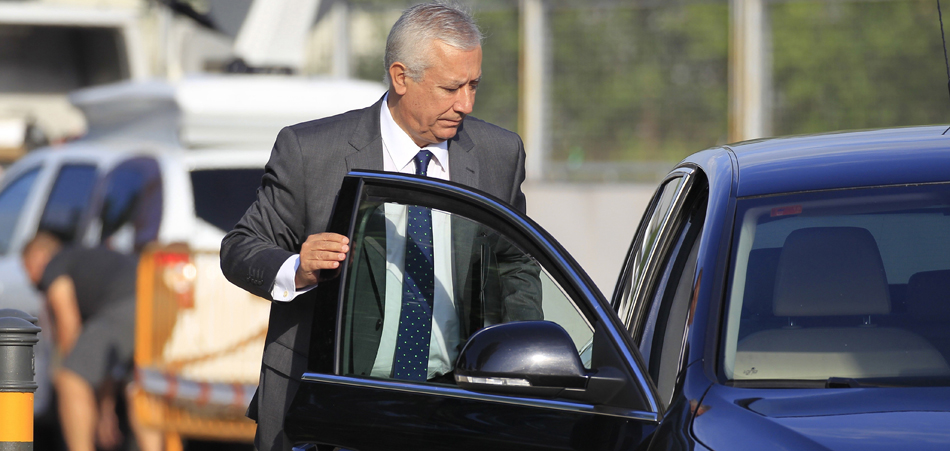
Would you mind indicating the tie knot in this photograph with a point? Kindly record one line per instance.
(422, 161)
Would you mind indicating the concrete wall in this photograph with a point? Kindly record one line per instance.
(594, 222)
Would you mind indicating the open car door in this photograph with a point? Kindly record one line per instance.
(526, 354)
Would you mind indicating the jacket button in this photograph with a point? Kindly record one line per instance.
(379, 323)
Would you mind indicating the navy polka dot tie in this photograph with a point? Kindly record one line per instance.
(411, 360)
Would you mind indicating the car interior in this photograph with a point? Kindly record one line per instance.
(863, 295)
(836, 274)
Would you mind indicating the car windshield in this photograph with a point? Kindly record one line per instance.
(222, 196)
(849, 285)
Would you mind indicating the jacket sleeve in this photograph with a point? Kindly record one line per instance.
(519, 277)
(519, 274)
(517, 199)
(273, 227)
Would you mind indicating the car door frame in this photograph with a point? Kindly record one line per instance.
(630, 297)
(324, 387)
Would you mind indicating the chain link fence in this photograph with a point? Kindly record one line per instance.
(634, 86)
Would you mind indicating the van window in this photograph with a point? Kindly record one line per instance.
(223, 195)
(132, 204)
(68, 201)
(12, 200)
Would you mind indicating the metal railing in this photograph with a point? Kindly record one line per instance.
(199, 344)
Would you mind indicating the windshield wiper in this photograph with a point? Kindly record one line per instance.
(842, 382)
(848, 382)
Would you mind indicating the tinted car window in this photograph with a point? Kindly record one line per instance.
(12, 200)
(223, 195)
(132, 204)
(68, 200)
(841, 284)
(481, 278)
(640, 253)
(664, 331)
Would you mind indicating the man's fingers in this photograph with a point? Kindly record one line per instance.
(324, 256)
(321, 251)
(328, 238)
(331, 242)
(315, 265)
(329, 246)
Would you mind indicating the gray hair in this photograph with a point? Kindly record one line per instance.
(409, 39)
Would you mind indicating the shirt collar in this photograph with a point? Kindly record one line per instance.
(402, 149)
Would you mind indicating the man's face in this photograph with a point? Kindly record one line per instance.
(432, 109)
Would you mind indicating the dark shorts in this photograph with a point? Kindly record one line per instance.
(105, 345)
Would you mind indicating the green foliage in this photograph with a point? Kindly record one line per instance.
(857, 65)
(639, 83)
(634, 80)
(497, 98)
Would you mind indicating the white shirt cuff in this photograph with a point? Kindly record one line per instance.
(285, 285)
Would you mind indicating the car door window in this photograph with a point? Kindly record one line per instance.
(664, 330)
(641, 258)
(68, 201)
(481, 278)
(561, 352)
(12, 200)
(131, 208)
(654, 292)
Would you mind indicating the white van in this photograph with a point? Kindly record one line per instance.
(168, 166)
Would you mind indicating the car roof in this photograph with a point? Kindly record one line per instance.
(109, 152)
(842, 160)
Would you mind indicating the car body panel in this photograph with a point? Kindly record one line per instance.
(843, 160)
(834, 419)
(340, 413)
(720, 171)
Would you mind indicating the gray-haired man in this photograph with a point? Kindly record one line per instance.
(433, 66)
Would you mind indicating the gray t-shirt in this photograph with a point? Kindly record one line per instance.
(101, 277)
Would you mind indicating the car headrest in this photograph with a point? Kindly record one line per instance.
(830, 271)
(928, 295)
(760, 281)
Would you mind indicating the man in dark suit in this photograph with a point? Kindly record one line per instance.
(280, 249)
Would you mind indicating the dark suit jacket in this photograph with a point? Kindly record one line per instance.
(297, 196)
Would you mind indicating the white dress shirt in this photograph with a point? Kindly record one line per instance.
(398, 153)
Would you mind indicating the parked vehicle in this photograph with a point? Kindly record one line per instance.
(779, 294)
(164, 171)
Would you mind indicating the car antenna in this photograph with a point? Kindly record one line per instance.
(945, 59)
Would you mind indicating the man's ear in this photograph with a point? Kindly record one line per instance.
(397, 73)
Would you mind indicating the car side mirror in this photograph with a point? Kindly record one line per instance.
(531, 358)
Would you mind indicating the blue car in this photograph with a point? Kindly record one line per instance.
(790, 293)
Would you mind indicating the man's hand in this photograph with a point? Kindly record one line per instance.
(320, 251)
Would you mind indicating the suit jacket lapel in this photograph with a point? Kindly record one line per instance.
(366, 142)
(463, 166)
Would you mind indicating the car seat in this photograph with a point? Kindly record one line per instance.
(833, 272)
